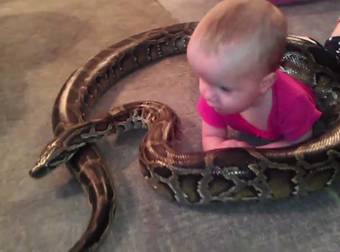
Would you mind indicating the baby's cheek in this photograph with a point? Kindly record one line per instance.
(231, 103)
(225, 100)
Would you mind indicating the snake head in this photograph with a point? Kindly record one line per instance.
(53, 155)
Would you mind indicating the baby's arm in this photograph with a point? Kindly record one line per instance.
(281, 144)
(216, 138)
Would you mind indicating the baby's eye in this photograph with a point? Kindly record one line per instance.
(224, 89)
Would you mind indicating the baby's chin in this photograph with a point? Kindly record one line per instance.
(218, 110)
(224, 111)
(221, 111)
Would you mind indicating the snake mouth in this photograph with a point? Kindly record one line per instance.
(38, 171)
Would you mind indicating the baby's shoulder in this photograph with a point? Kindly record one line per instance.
(292, 95)
(289, 89)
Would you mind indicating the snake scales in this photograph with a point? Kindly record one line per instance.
(190, 178)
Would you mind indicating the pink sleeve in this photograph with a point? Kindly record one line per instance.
(209, 115)
(300, 118)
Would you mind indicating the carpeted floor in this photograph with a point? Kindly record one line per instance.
(41, 43)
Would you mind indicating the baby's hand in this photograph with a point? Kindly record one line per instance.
(232, 143)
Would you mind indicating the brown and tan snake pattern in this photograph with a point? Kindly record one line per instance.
(189, 178)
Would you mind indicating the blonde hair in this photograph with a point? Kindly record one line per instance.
(253, 25)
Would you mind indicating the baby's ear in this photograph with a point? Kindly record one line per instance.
(267, 82)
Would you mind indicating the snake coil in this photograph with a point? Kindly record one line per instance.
(189, 178)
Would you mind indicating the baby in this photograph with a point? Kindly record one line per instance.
(235, 51)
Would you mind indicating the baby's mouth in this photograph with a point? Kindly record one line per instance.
(216, 108)
(211, 104)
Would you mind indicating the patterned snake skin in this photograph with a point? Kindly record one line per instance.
(189, 178)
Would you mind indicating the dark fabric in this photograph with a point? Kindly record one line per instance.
(332, 45)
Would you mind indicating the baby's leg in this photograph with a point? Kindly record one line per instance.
(332, 45)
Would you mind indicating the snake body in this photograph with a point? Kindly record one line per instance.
(189, 178)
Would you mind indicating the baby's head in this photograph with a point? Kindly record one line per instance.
(235, 51)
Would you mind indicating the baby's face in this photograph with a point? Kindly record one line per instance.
(222, 85)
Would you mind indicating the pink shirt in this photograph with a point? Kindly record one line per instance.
(292, 115)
